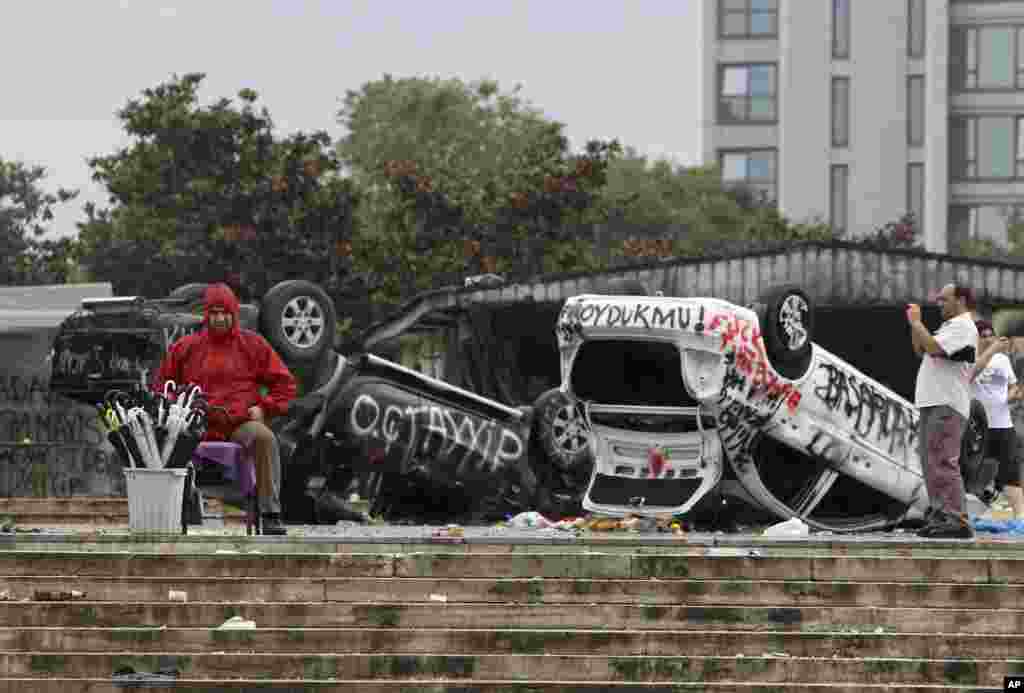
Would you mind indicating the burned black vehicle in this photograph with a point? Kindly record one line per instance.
(413, 446)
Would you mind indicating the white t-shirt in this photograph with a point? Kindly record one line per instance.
(943, 378)
(991, 388)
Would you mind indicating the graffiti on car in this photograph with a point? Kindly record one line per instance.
(869, 411)
(744, 348)
(474, 444)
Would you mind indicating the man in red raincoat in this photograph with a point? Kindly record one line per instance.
(230, 365)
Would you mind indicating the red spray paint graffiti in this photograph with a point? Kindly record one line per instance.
(744, 340)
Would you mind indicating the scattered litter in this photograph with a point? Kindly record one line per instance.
(1015, 527)
(5, 596)
(879, 630)
(225, 551)
(439, 597)
(128, 674)
(777, 654)
(528, 519)
(61, 596)
(793, 527)
(755, 553)
(177, 596)
(237, 623)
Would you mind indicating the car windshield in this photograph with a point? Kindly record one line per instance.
(630, 372)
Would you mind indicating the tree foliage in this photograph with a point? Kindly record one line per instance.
(461, 178)
(689, 211)
(25, 212)
(210, 192)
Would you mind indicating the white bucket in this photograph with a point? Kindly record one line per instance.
(154, 499)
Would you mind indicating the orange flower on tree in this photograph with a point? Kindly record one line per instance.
(519, 200)
(311, 167)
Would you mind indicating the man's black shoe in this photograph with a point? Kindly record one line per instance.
(947, 526)
(272, 525)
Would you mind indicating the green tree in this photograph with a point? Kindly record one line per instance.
(25, 212)
(462, 178)
(209, 192)
(692, 212)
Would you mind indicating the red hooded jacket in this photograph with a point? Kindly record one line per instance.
(230, 368)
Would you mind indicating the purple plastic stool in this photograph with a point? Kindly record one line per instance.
(239, 468)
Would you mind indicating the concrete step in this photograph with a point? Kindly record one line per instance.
(428, 641)
(542, 591)
(593, 565)
(466, 667)
(81, 512)
(423, 685)
(511, 615)
(375, 539)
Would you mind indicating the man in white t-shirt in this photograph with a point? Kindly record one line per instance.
(943, 397)
(994, 384)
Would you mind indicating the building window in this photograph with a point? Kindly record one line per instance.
(986, 148)
(748, 18)
(989, 57)
(752, 169)
(840, 111)
(839, 198)
(915, 111)
(1020, 147)
(996, 223)
(747, 93)
(915, 192)
(841, 29)
(915, 28)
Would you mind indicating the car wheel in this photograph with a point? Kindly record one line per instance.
(975, 440)
(298, 319)
(788, 329)
(561, 430)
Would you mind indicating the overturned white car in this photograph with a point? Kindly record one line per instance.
(677, 397)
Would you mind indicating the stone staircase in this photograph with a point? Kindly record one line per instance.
(485, 614)
(78, 512)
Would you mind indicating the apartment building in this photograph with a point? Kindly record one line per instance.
(857, 111)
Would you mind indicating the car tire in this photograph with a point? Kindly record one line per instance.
(974, 443)
(560, 430)
(298, 319)
(787, 327)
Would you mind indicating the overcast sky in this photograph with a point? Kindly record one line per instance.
(606, 68)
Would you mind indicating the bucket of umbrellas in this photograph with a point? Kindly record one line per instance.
(155, 436)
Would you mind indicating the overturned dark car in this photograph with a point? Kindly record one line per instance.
(413, 446)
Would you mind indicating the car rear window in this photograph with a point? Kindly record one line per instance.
(611, 371)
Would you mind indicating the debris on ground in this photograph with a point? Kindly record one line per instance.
(1012, 527)
(177, 596)
(793, 527)
(595, 523)
(5, 596)
(237, 623)
(61, 596)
